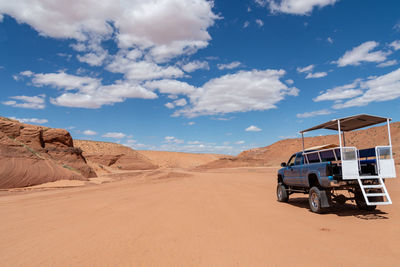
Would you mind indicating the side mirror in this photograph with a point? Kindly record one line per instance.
(283, 164)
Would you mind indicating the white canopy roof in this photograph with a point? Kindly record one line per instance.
(349, 123)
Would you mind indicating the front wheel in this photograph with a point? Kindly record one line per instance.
(314, 200)
(281, 193)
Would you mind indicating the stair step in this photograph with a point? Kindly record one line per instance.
(380, 203)
(375, 194)
(373, 186)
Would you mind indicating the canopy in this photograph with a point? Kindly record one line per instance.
(350, 123)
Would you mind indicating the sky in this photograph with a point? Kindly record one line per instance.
(198, 76)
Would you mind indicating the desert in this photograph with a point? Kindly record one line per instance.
(158, 208)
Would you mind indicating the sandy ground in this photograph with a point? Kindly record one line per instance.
(227, 217)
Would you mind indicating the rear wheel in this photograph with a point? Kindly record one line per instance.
(314, 200)
(281, 193)
(361, 204)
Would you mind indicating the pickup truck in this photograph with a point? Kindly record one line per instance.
(326, 171)
(318, 174)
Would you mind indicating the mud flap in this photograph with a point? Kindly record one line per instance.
(325, 200)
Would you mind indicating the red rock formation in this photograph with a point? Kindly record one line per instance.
(31, 155)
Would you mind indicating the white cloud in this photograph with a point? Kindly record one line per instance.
(395, 45)
(306, 69)
(387, 63)
(172, 87)
(30, 120)
(150, 25)
(239, 92)
(229, 66)
(246, 24)
(172, 139)
(316, 75)
(340, 92)
(289, 81)
(180, 102)
(329, 40)
(89, 132)
(33, 102)
(195, 65)
(362, 53)
(87, 92)
(314, 113)
(239, 142)
(114, 135)
(376, 89)
(142, 70)
(170, 105)
(191, 123)
(296, 7)
(259, 22)
(253, 128)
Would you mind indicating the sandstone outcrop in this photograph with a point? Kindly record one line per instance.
(31, 155)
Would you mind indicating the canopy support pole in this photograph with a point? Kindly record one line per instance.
(302, 140)
(344, 139)
(390, 139)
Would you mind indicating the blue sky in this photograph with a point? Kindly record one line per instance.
(197, 76)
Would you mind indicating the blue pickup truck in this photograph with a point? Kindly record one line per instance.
(325, 172)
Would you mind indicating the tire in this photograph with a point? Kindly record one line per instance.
(314, 199)
(361, 204)
(281, 193)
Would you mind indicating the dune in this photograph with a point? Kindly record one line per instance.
(111, 156)
(182, 160)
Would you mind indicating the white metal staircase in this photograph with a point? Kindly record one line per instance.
(379, 185)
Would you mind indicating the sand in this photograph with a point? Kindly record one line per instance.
(173, 217)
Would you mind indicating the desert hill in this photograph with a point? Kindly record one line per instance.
(31, 155)
(115, 156)
(280, 151)
(183, 160)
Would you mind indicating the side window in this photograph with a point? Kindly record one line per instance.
(291, 161)
(299, 160)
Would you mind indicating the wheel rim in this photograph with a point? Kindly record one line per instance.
(280, 192)
(314, 200)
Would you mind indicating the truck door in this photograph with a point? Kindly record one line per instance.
(298, 176)
(289, 171)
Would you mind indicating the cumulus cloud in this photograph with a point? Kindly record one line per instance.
(314, 113)
(115, 135)
(88, 92)
(376, 89)
(239, 92)
(305, 69)
(246, 24)
(30, 120)
(387, 63)
(361, 92)
(195, 65)
(229, 66)
(239, 142)
(172, 139)
(259, 22)
(395, 45)
(308, 69)
(89, 132)
(180, 102)
(316, 75)
(23, 101)
(253, 128)
(362, 53)
(150, 25)
(340, 92)
(170, 105)
(172, 87)
(296, 7)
